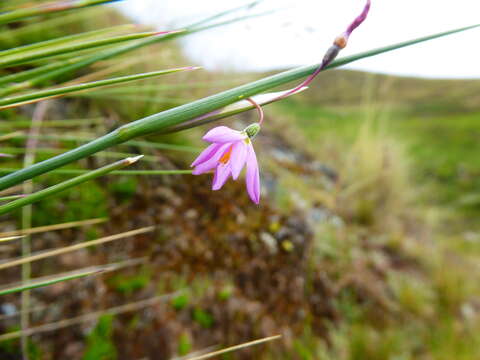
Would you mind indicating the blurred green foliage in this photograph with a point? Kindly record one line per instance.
(99, 341)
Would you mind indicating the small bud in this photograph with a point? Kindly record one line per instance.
(341, 41)
(252, 130)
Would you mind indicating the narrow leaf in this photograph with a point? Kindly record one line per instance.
(67, 249)
(138, 305)
(39, 195)
(46, 282)
(46, 52)
(58, 6)
(62, 91)
(117, 172)
(62, 226)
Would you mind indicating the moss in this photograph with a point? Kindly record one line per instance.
(203, 318)
(87, 201)
(129, 284)
(181, 301)
(99, 342)
(184, 345)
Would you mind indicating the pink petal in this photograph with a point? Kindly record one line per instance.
(206, 154)
(221, 176)
(223, 134)
(253, 176)
(213, 161)
(238, 158)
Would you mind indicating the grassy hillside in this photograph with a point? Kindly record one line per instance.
(436, 121)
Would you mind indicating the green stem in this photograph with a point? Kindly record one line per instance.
(42, 283)
(47, 72)
(42, 53)
(69, 39)
(117, 172)
(59, 6)
(161, 122)
(52, 190)
(60, 91)
(11, 197)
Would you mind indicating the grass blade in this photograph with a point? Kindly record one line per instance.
(116, 172)
(62, 91)
(65, 39)
(140, 143)
(12, 197)
(67, 249)
(135, 306)
(52, 190)
(235, 348)
(46, 52)
(62, 226)
(10, 238)
(45, 282)
(58, 6)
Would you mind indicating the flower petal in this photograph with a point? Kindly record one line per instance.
(238, 158)
(253, 176)
(206, 154)
(213, 161)
(223, 134)
(221, 176)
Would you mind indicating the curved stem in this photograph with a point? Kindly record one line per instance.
(259, 110)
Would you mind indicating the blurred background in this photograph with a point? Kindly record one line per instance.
(366, 243)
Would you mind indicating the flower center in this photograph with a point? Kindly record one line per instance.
(226, 157)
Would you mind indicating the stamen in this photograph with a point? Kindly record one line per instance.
(226, 157)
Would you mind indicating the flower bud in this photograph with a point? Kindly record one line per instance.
(252, 130)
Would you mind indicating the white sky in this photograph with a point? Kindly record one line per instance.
(301, 30)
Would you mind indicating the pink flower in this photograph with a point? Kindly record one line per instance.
(229, 152)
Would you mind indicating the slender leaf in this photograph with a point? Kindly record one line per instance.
(67, 249)
(117, 172)
(49, 8)
(46, 52)
(46, 282)
(62, 91)
(90, 175)
(62, 226)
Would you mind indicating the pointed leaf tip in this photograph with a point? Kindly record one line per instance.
(133, 159)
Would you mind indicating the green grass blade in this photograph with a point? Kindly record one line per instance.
(47, 282)
(48, 51)
(58, 6)
(164, 121)
(11, 197)
(90, 175)
(52, 71)
(19, 124)
(65, 39)
(105, 154)
(139, 143)
(62, 91)
(117, 172)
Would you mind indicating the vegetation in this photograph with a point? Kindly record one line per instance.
(365, 245)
